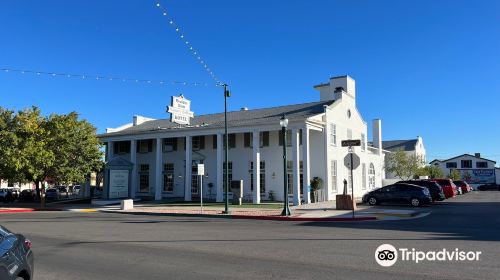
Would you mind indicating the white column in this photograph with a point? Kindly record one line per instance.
(158, 169)
(133, 175)
(187, 173)
(306, 164)
(256, 167)
(296, 166)
(328, 184)
(220, 169)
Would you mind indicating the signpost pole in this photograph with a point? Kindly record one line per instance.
(352, 181)
(201, 193)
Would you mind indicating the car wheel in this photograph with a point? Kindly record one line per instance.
(19, 278)
(372, 201)
(415, 202)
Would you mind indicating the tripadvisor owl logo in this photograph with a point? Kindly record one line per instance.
(387, 255)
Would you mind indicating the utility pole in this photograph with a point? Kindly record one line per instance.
(226, 163)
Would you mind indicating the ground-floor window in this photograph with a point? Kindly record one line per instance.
(333, 174)
(371, 176)
(229, 174)
(144, 178)
(290, 181)
(262, 176)
(168, 177)
(363, 176)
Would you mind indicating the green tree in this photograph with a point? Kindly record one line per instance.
(432, 171)
(403, 165)
(455, 175)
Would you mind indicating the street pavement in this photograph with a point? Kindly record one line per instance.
(72, 245)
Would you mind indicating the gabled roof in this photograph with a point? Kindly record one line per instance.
(235, 118)
(469, 155)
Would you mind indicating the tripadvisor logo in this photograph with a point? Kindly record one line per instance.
(387, 255)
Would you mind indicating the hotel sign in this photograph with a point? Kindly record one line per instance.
(180, 110)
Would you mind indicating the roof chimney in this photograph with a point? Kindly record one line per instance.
(336, 88)
(377, 135)
(478, 155)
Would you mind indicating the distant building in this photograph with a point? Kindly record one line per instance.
(414, 147)
(473, 168)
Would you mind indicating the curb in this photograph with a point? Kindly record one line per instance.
(26, 210)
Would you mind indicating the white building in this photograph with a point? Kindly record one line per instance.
(473, 168)
(158, 150)
(412, 147)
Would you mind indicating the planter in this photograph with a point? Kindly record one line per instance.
(344, 202)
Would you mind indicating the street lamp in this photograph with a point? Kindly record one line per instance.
(286, 209)
(226, 163)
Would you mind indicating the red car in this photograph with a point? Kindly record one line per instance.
(463, 185)
(449, 188)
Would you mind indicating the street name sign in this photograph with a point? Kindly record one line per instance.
(351, 143)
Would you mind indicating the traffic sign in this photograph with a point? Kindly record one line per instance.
(351, 143)
(201, 169)
(355, 160)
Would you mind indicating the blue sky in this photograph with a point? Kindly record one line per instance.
(428, 68)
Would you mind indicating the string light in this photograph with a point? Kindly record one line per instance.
(99, 77)
(187, 43)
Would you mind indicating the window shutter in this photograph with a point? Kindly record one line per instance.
(174, 144)
(115, 148)
(137, 146)
(232, 140)
(214, 142)
(247, 140)
(202, 142)
(265, 139)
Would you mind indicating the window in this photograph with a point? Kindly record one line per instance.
(214, 142)
(333, 174)
(481, 164)
(363, 142)
(288, 138)
(144, 178)
(232, 141)
(169, 145)
(168, 177)
(289, 175)
(264, 139)
(122, 147)
(198, 143)
(333, 134)
(363, 176)
(144, 146)
(371, 176)
(230, 174)
(349, 133)
(247, 140)
(262, 176)
(466, 163)
(195, 180)
(451, 165)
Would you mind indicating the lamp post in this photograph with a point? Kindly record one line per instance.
(226, 163)
(286, 209)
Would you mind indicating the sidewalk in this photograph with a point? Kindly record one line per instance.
(322, 211)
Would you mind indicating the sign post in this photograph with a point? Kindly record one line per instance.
(352, 164)
(201, 173)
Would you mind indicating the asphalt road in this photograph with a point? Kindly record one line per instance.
(122, 246)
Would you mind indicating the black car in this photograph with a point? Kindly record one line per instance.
(27, 195)
(16, 257)
(435, 189)
(6, 195)
(399, 193)
(489, 187)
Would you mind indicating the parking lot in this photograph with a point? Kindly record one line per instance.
(70, 245)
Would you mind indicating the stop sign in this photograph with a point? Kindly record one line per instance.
(355, 160)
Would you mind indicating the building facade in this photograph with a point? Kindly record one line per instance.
(159, 150)
(412, 147)
(473, 168)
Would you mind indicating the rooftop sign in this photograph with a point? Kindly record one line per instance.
(180, 110)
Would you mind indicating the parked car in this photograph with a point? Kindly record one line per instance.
(76, 190)
(463, 186)
(449, 188)
(27, 195)
(63, 191)
(399, 193)
(435, 189)
(489, 187)
(52, 194)
(6, 195)
(16, 256)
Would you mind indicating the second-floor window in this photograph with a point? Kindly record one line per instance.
(333, 134)
(466, 163)
(481, 164)
(451, 165)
